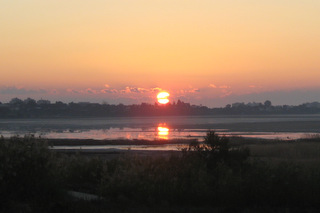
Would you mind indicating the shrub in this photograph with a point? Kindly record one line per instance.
(27, 172)
(215, 149)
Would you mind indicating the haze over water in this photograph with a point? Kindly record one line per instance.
(173, 127)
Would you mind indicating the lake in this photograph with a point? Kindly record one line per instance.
(170, 127)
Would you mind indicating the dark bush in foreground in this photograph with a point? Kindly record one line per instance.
(28, 175)
(216, 149)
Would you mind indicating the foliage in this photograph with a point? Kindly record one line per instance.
(216, 149)
(27, 172)
(209, 176)
(30, 108)
(80, 173)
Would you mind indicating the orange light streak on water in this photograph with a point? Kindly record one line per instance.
(163, 132)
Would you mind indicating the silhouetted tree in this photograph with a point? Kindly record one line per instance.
(16, 101)
(267, 103)
(30, 102)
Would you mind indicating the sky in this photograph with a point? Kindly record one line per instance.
(126, 51)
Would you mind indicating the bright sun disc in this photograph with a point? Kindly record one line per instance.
(163, 97)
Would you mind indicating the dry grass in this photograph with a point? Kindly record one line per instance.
(280, 175)
(292, 151)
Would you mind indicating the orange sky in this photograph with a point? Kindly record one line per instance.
(183, 46)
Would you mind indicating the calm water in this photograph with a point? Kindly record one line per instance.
(173, 127)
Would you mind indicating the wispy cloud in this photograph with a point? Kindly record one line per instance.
(72, 91)
(190, 90)
(224, 87)
(91, 91)
(120, 91)
(111, 91)
(212, 86)
(53, 91)
(20, 91)
(156, 89)
(194, 90)
(225, 93)
(139, 90)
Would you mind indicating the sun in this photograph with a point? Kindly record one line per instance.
(163, 97)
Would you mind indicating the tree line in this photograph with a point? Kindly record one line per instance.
(30, 108)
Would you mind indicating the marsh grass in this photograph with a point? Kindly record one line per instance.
(293, 151)
(211, 176)
(28, 173)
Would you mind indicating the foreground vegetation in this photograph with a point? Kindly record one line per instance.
(218, 175)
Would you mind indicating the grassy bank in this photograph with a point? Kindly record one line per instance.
(220, 175)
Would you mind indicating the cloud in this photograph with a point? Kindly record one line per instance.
(91, 91)
(54, 91)
(126, 90)
(224, 87)
(143, 90)
(20, 91)
(111, 91)
(156, 89)
(212, 86)
(226, 93)
(139, 90)
(85, 91)
(73, 91)
(194, 90)
(120, 91)
(188, 91)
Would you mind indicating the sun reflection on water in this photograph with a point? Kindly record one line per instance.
(163, 132)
